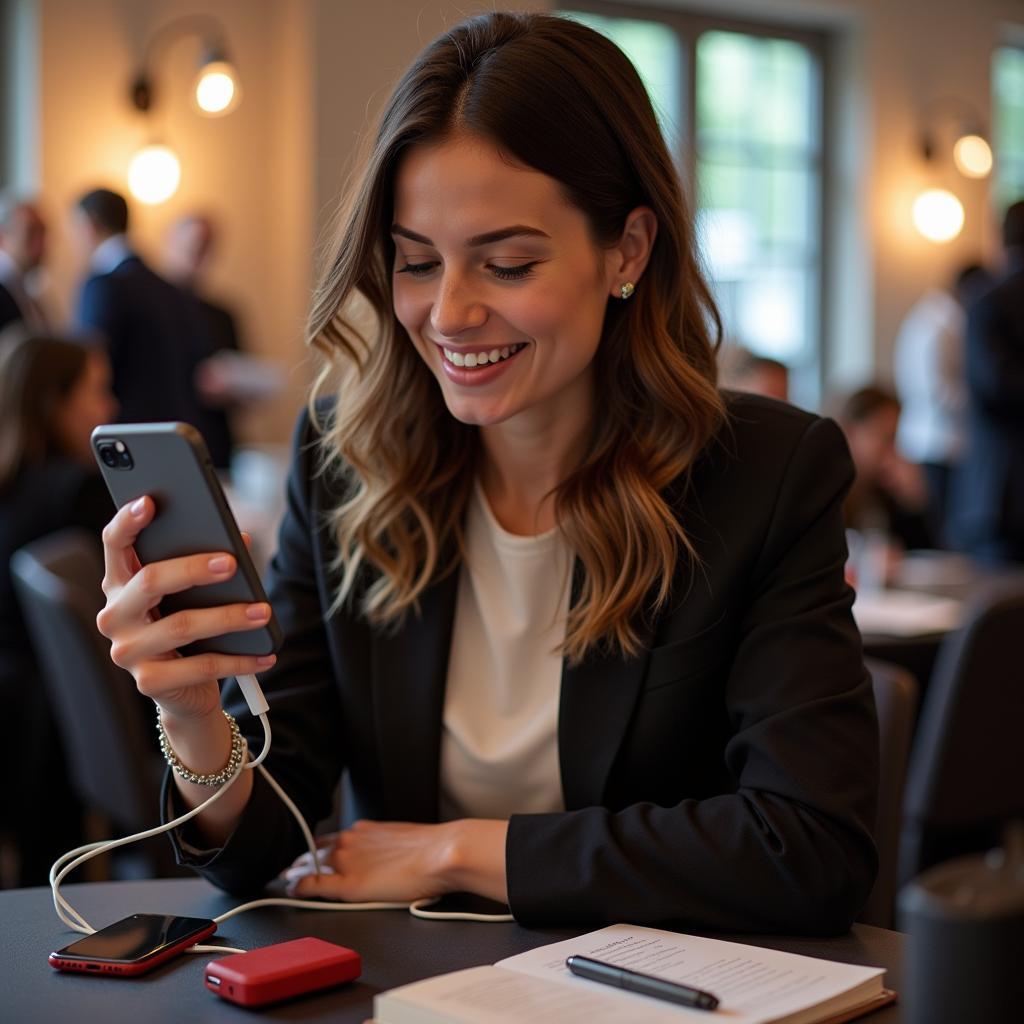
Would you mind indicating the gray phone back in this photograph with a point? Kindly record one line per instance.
(170, 463)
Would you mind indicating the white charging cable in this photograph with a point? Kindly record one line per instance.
(257, 702)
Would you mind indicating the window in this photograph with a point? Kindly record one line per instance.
(1008, 124)
(742, 108)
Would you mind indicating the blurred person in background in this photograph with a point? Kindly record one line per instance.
(928, 370)
(154, 332)
(743, 370)
(52, 394)
(189, 244)
(22, 250)
(986, 516)
(889, 494)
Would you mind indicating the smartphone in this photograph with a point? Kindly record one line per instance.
(133, 945)
(170, 463)
(282, 971)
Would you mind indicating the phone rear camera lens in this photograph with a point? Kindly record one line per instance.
(109, 456)
(124, 459)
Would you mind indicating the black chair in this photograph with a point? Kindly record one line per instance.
(106, 726)
(896, 698)
(966, 775)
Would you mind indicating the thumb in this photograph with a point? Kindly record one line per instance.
(304, 884)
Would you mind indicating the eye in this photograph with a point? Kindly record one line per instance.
(417, 269)
(513, 273)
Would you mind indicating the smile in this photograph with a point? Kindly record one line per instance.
(472, 359)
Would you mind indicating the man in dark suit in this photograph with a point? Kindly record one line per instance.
(154, 331)
(22, 247)
(987, 514)
(189, 244)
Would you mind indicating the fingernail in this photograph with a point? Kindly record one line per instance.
(138, 506)
(219, 564)
(266, 661)
(257, 612)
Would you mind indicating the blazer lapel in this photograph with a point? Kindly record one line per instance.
(596, 704)
(409, 672)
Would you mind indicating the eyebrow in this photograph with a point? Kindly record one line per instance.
(477, 240)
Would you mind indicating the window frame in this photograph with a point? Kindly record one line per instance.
(689, 24)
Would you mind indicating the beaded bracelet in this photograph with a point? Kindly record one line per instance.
(238, 750)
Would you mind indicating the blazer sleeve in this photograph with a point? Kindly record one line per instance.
(306, 756)
(791, 848)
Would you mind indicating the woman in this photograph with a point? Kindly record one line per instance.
(52, 394)
(579, 633)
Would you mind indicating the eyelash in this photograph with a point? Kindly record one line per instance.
(503, 273)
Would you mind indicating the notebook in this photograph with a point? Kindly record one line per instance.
(753, 985)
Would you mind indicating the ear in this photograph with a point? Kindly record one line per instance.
(627, 259)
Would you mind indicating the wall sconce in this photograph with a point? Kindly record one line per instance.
(155, 171)
(937, 213)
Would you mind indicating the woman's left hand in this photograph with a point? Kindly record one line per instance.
(400, 862)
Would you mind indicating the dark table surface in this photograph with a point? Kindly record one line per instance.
(396, 948)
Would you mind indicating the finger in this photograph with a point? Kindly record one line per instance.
(153, 582)
(185, 627)
(118, 537)
(330, 886)
(155, 678)
(247, 537)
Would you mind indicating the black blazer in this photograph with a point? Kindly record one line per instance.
(987, 513)
(155, 336)
(725, 778)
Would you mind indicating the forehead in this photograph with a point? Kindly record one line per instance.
(462, 187)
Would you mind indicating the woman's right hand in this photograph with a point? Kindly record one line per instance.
(145, 644)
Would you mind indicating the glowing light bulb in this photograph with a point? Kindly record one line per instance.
(973, 156)
(154, 174)
(938, 215)
(217, 89)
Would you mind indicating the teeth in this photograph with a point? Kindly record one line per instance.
(472, 359)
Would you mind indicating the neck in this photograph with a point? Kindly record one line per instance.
(527, 457)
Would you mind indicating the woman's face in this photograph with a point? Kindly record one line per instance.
(497, 282)
(88, 404)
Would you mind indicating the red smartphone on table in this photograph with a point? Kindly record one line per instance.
(133, 945)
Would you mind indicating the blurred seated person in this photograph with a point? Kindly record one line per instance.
(22, 249)
(889, 493)
(154, 332)
(743, 370)
(52, 394)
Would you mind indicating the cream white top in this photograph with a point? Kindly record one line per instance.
(499, 740)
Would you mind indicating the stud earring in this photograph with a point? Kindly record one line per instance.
(627, 289)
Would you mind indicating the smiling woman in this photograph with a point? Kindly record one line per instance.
(574, 621)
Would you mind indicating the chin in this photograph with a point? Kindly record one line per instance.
(478, 413)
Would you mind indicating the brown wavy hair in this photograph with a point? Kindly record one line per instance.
(555, 96)
(37, 374)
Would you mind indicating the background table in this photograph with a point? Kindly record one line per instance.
(396, 948)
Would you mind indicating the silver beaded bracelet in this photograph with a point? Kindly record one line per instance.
(228, 772)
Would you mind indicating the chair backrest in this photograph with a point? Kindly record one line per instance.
(966, 775)
(114, 765)
(896, 698)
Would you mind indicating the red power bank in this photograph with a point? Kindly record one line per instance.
(280, 971)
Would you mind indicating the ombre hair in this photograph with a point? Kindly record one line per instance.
(555, 96)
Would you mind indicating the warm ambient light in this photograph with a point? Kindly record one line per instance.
(973, 156)
(217, 88)
(938, 215)
(153, 174)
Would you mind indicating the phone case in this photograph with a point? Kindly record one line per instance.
(171, 465)
(64, 960)
(281, 971)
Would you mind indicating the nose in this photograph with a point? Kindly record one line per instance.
(456, 308)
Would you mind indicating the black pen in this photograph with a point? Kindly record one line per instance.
(645, 984)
